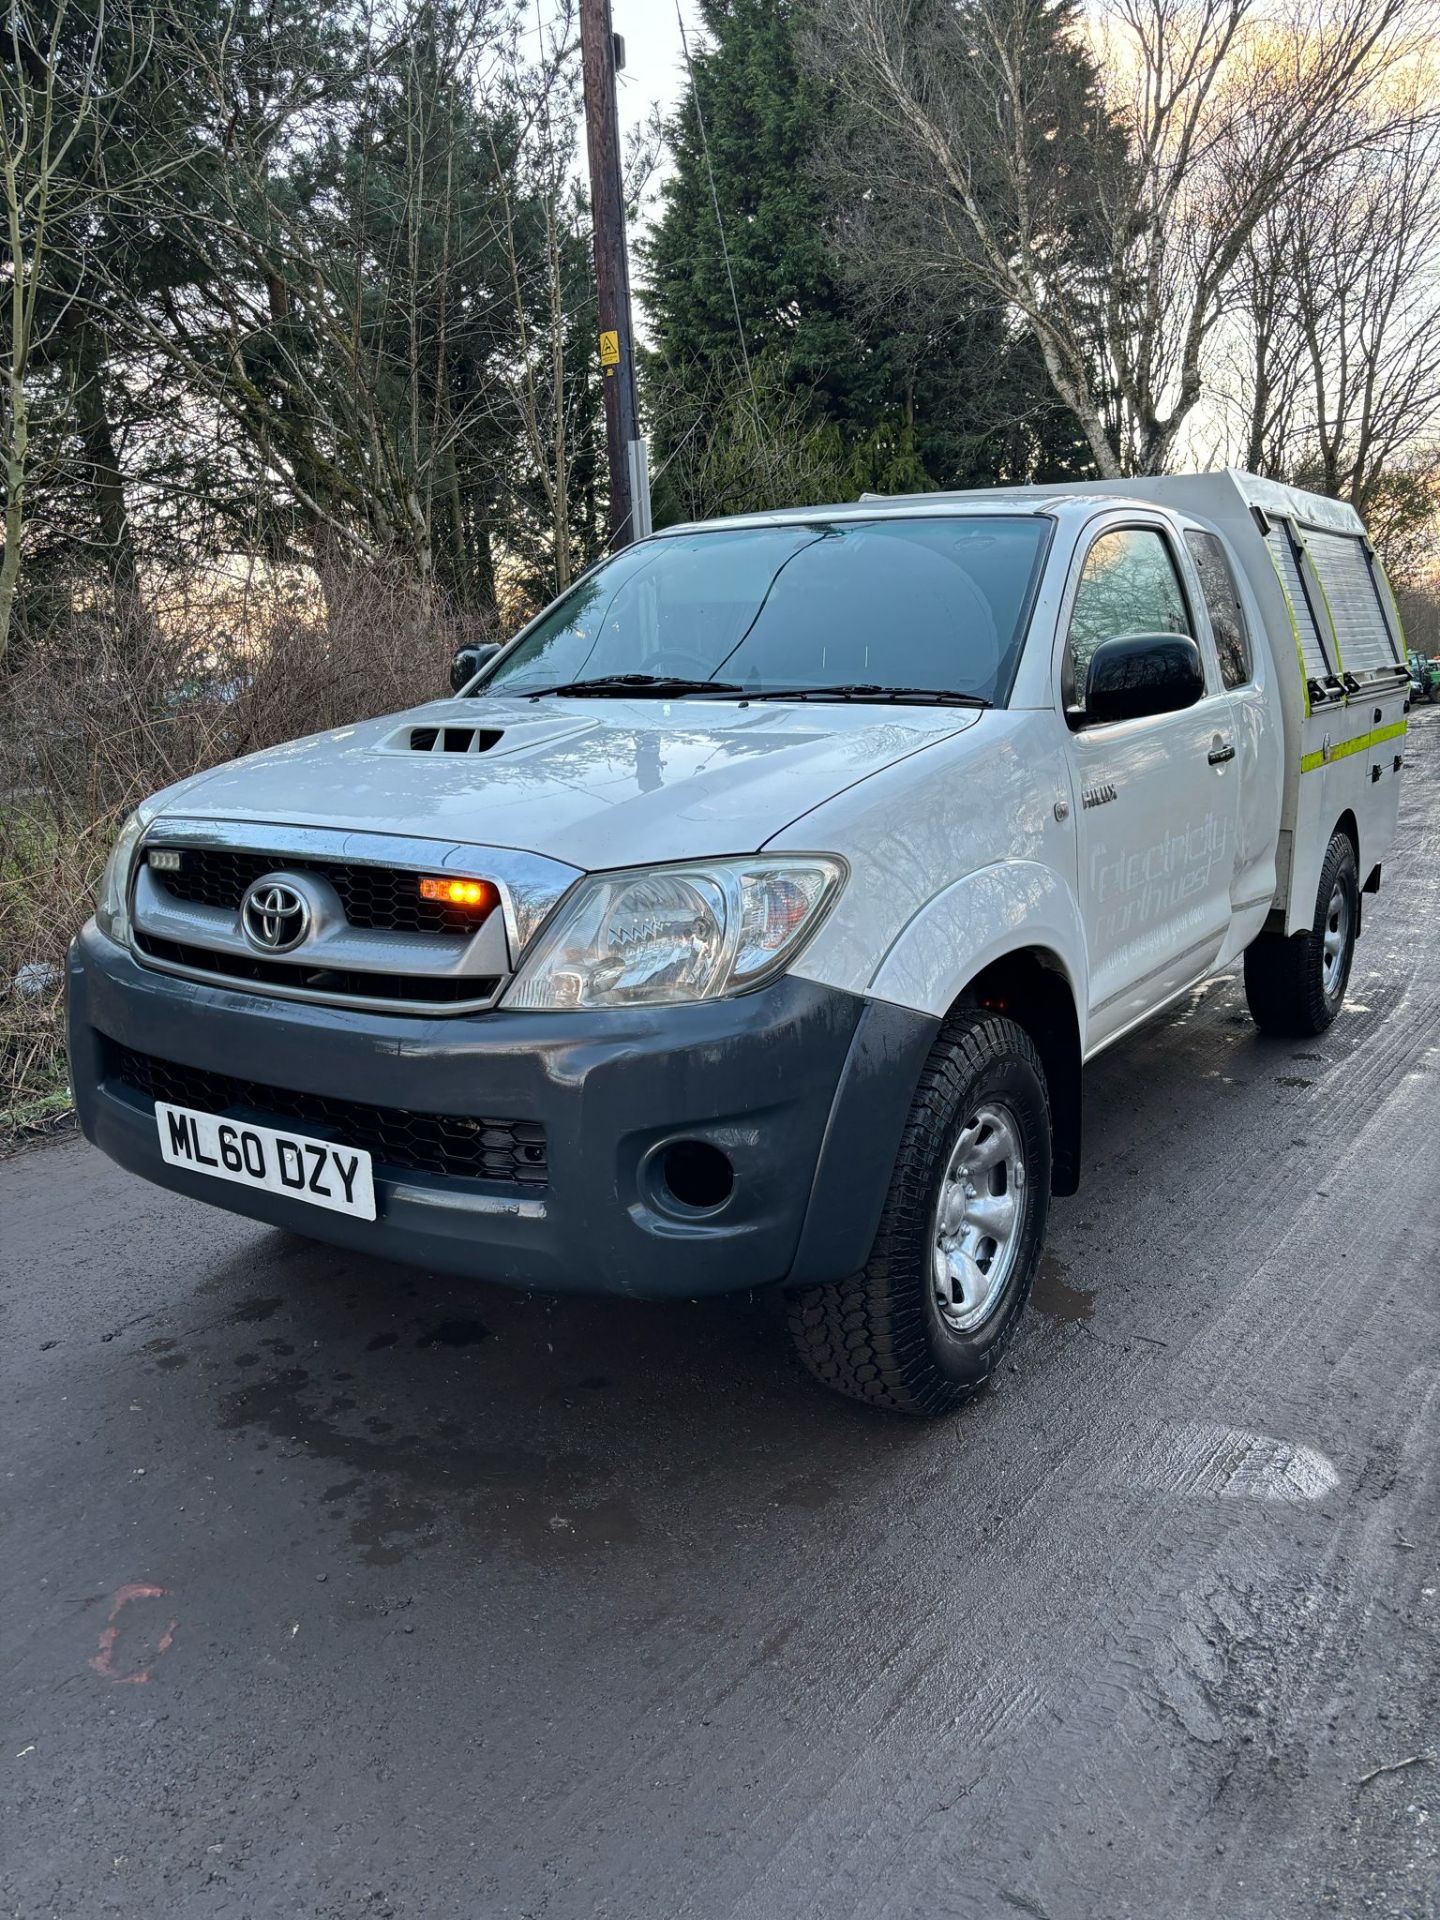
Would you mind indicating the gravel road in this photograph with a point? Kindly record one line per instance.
(335, 1589)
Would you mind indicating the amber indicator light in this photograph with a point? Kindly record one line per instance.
(459, 893)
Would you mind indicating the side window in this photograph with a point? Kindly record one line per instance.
(1128, 584)
(1222, 602)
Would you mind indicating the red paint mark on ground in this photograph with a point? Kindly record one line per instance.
(103, 1659)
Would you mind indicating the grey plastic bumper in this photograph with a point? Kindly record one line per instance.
(803, 1087)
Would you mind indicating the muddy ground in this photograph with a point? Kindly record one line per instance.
(332, 1589)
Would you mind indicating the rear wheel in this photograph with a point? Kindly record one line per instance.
(1295, 986)
(921, 1328)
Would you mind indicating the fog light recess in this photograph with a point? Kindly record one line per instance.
(695, 1177)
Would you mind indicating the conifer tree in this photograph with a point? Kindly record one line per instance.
(916, 396)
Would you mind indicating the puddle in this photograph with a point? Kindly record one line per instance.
(260, 1402)
(410, 1491)
(565, 1392)
(1056, 1298)
(454, 1333)
(604, 1523)
(390, 1527)
(1292, 1080)
(382, 1340)
(259, 1307)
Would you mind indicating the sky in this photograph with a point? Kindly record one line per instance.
(654, 70)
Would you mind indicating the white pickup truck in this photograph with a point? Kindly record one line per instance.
(748, 918)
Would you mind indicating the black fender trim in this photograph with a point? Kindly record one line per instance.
(862, 1137)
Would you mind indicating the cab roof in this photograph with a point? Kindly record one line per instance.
(1209, 494)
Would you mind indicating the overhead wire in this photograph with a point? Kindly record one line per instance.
(720, 229)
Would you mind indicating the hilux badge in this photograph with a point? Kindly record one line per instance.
(275, 916)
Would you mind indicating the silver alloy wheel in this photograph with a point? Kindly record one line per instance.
(1337, 939)
(979, 1214)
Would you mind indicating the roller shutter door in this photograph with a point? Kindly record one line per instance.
(1281, 543)
(1354, 595)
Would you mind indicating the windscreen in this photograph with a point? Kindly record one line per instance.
(919, 603)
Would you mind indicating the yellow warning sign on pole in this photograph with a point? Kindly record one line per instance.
(610, 349)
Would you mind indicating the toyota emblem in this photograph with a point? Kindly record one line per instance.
(275, 916)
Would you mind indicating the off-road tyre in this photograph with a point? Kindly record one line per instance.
(880, 1335)
(1285, 978)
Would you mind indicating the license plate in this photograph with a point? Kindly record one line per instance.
(315, 1171)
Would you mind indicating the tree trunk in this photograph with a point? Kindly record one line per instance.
(16, 450)
(482, 567)
(112, 513)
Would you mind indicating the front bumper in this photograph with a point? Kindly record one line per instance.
(804, 1088)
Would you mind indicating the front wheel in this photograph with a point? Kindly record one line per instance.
(921, 1327)
(1295, 986)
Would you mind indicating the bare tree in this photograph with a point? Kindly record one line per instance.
(1118, 253)
(1258, 361)
(1365, 257)
(1332, 377)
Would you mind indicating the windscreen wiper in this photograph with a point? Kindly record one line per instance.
(662, 686)
(897, 696)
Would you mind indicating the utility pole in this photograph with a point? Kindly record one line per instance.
(629, 475)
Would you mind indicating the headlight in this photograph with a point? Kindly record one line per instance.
(660, 935)
(111, 914)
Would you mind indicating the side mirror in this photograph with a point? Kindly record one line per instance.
(1140, 674)
(467, 663)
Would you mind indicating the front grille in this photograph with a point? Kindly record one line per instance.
(512, 1152)
(383, 897)
(419, 989)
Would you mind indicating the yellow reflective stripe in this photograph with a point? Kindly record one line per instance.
(1294, 624)
(1311, 761)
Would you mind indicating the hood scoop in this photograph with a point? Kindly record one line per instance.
(454, 739)
(454, 731)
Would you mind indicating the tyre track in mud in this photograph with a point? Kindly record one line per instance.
(1064, 1622)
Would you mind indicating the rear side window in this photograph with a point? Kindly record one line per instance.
(1128, 585)
(1223, 604)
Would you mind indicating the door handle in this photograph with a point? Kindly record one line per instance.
(1217, 756)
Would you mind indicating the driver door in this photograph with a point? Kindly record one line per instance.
(1157, 797)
